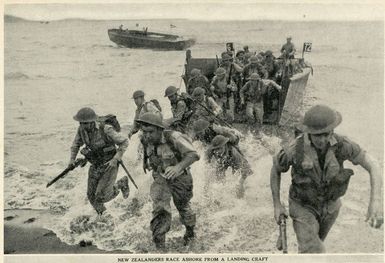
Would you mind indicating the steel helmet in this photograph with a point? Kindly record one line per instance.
(200, 125)
(171, 90)
(198, 91)
(151, 119)
(218, 142)
(320, 119)
(85, 115)
(137, 94)
(220, 71)
(226, 56)
(268, 53)
(253, 59)
(195, 72)
(255, 76)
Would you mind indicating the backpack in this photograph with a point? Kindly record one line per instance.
(111, 120)
(156, 103)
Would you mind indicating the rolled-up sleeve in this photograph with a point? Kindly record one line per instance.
(284, 158)
(76, 144)
(118, 138)
(184, 146)
(351, 151)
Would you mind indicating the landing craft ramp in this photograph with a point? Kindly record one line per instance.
(288, 110)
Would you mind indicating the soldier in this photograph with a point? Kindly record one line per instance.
(100, 142)
(270, 65)
(288, 50)
(143, 106)
(222, 89)
(254, 67)
(197, 79)
(169, 155)
(180, 111)
(319, 178)
(205, 107)
(206, 131)
(228, 155)
(287, 53)
(252, 93)
(248, 54)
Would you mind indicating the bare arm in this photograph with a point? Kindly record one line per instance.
(275, 185)
(375, 214)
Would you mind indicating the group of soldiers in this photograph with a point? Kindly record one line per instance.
(316, 159)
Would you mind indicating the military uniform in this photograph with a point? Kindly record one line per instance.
(172, 149)
(147, 106)
(101, 182)
(220, 92)
(201, 108)
(215, 129)
(288, 48)
(231, 158)
(254, 68)
(318, 182)
(252, 93)
(198, 81)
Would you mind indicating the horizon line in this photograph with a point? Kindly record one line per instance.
(192, 19)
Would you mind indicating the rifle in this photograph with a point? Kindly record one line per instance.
(79, 162)
(228, 91)
(128, 174)
(282, 239)
(212, 113)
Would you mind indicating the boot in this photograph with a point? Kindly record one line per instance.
(122, 184)
(189, 235)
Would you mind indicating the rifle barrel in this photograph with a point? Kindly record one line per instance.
(59, 176)
(128, 174)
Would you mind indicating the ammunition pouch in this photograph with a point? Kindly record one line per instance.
(99, 156)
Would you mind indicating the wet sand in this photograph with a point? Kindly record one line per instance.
(24, 234)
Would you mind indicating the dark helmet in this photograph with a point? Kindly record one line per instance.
(137, 94)
(200, 125)
(198, 91)
(151, 119)
(218, 142)
(220, 71)
(240, 52)
(268, 53)
(171, 90)
(320, 119)
(85, 115)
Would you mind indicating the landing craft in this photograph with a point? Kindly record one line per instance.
(152, 40)
(285, 113)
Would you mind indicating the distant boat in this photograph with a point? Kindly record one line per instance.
(152, 40)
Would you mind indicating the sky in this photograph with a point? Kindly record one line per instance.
(201, 10)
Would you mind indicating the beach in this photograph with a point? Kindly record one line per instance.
(52, 70)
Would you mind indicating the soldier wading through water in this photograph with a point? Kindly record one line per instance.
(169, 155)
(319, 178)
(100, 140)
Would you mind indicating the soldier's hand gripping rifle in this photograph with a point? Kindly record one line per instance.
(282, 239)
(78, 162)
